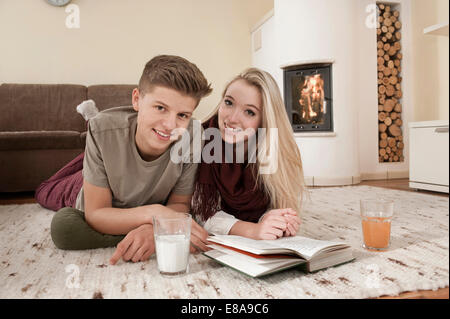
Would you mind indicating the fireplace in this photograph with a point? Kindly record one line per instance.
(308, 97)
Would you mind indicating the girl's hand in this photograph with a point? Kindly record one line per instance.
(198, 238)
(277, 218)
(271, 227)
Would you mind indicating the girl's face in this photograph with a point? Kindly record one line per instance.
(240, 112)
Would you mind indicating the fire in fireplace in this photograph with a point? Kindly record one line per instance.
(307, 92)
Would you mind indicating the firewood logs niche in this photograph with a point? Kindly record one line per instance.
(389, 85)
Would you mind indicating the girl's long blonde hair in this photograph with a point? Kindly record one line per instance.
(285, 186)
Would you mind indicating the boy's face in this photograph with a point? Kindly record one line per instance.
(160, 112)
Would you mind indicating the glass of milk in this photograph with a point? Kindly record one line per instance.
(172, 242)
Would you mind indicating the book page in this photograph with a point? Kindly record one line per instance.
(249, 258)
(251, 268)
(258, 244)
(251, 245)
(306, 247)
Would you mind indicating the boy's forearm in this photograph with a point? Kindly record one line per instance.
(120, 221)
(179, 207)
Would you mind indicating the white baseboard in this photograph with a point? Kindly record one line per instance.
(353, 180)
(384, 175)
(309, 181)
(398, 174)
(331, 181)
(374, 176)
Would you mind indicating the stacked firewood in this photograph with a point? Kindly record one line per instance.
(389, 85)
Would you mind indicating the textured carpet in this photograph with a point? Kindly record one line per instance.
(32, 267)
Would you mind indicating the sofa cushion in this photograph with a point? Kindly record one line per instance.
(83, 138)
(25, 170)
(38, 140)
(41, 107)
(111, 95)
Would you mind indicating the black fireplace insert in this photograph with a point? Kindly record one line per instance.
(308, 97)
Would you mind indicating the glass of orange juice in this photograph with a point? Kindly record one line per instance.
(376, 216)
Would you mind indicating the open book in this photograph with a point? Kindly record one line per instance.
(262, 257)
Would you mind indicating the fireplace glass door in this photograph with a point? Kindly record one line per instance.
(308, 98)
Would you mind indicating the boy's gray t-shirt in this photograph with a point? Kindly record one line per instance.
(112, 161)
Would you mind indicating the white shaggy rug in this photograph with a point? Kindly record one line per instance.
(32, 267)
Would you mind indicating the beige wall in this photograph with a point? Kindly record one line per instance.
(256, 10)
(431, 55)
(116, 38)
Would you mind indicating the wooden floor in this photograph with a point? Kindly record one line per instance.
(17, 198)
(399, 184)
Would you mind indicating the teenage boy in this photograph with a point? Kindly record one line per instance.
(127, 174)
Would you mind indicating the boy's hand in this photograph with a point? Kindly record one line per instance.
(138, 245)
(277, 223)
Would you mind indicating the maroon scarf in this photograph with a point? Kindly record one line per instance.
(230, 187)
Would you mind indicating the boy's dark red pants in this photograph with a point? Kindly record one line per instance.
(61, 190)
